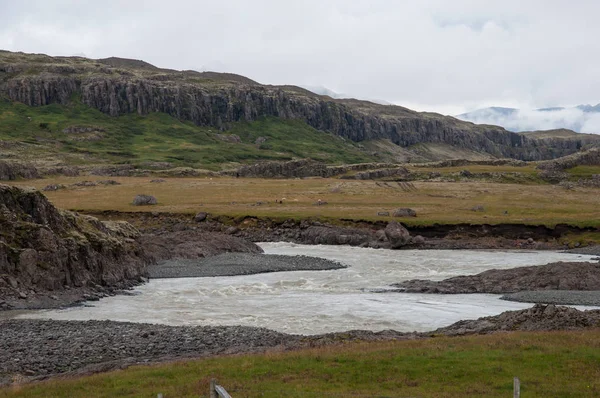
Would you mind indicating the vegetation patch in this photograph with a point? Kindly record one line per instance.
(78, 134)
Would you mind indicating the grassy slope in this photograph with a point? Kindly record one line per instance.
(549, 364)
(159, 137)
(434, 202)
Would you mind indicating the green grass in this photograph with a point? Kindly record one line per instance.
(550, 364)
(136, 139)
(583, 171)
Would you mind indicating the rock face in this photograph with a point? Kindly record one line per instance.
(554, 276)
(121, 88)
(43, 249)
(397, 235)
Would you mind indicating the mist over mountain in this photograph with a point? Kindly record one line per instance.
(580, 118)
(322, 90)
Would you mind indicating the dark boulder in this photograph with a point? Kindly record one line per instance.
(397, 235)
(404, 212)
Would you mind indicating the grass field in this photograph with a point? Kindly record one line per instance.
(549, 364)
(434, 202)
(159, 137)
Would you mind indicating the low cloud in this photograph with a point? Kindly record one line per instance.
(530, 120)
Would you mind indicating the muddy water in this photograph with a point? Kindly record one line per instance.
(312, 302)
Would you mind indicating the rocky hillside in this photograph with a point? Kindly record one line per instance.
(117, 87)
(46, 253)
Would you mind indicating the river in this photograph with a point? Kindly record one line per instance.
(314, 302)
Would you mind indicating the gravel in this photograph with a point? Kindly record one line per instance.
(561, 297)
(591, 250)
(38, 349)
(46, 347)
(230, 264)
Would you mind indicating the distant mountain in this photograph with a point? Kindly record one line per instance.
(580, 118)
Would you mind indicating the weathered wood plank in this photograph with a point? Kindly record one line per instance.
(221, 392)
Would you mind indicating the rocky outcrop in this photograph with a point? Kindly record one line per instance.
(381, 173)
(45, 251)
(539, 318)
(329, 235)
(191, 244)
(554, 276)
(118, 90)
(291, 169)
(13, 171)
(590, 157)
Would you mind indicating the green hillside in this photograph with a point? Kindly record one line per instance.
(42, 134)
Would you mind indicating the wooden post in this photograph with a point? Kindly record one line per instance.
(213, 390)
(516, 388)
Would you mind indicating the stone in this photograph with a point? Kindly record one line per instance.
(397, 235)
(383, 213)
(478, 208)
(418, 240)
(144, 200)
(232, 230)
(201, 216)
(84, 184)
(53, 187)
(158, 180)
(404, 212)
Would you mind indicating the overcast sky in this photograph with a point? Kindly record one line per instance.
(438, 55)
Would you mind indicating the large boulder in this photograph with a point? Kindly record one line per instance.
(397, 235)
(404, 212)
(144, 200)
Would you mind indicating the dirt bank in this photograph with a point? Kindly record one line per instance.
(358, 232)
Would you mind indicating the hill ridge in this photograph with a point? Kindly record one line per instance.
(215, 100)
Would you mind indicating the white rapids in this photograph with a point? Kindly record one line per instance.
(314, 302)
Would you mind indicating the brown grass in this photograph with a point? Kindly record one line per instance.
(435, 202)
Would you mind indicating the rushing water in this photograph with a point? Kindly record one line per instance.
(311, 302)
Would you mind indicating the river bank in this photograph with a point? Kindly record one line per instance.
(364, 233)
(38, 349)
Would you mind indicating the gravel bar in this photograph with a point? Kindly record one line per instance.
(231, 264)
(46, 347)
(560, 297)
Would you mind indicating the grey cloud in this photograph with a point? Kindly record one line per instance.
(462, 54)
